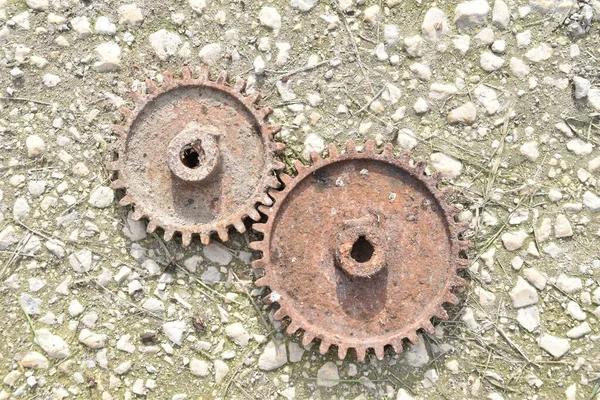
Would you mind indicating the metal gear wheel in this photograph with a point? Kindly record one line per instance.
(361, 250)
(196, 156)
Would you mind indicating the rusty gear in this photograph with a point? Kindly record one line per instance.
(361, 250)
(196, 156)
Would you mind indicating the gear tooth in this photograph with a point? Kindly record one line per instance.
(126, 200)
(271, 298)
(342, 351)
(151, 227)
(286, 179)
(151, 87)
(333, 152)
(361, 352)
(118, 184)
(307, 338)
(222, 77)
(259, 264)
(398, 346)
(168, 235)
(254, 215)
(464, 245)
(258, 246)
(458, 282)
(253, 98)
(280, 314)
(445, 193)
(137, 98)
(299, 166)
(239, 225)
(324, 346)
(277, 148)
(204, 73)
(315, 157)
(278, 166)
(120, 130)
(186, 238)
(462, 263)
(126, 112)
(186, 73)
(413, 338)
(420, 168)
(223, 233)
(260, 282)
(273, 182)
(113, 166)
(205, 239)
(379, 352)
(462, 227)
(441, 313)
(264, 209)
(292, 328)
(239, 85)
(168, 78)
(265, 112)
(451, 298)
(272, 130)
(262, 228)
(428, 327)
(370, 147)
(388, 150)
(404, 157)
(350, 147)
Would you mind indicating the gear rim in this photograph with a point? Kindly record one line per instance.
(265, 131)
(286, 306)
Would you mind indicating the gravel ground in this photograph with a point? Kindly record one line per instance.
(502, 98)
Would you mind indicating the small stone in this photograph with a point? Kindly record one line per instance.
(31, 305)
(130, 15)
(406, 139)
(579, 147)
(414, 46)
(468, 318)
(123, 368)
(417, 355)
(75, 308)
(530, 151)
(594, 98)
(269, 17)
(422, 71)
(431, 377)
(519, 68)
(391, 34)
(582, 87)
(528, 318)
(81, 25)
(555, 346)
(210, 53)
(303, 5)
(470, 14)
(562, 227)
(462, 43)
(40, 5)
(153, 305)
(442, 92)
(221, 370)
(500, 15)
(173, 330)
(514, 240)
(124, 344)
(523, 294)
(103, 26)
(34, 360)
(370, 14)
(35, 146)
(139, 388)
(21, 209)
(50, 80)
(313, 143)
(199, 367)
(485, 37)
(591, 201)
(273, 356)
(465, 114)
(403, 395)
(8, 237)
(447, 166)
(164, 43)
(579, 331)
(453, 366)
(92, 340)
(490, 62)
(539, 53)
(523, 38)
(101, 197)
(435, 24)
(499, 46)
(211, 276)
(487, 97)
(11, 378)
(568, 285)
(237, 333)
(575, 311)
(295, 352)
(217, 253)
(134, 230)
(535, 277)
(328, 375)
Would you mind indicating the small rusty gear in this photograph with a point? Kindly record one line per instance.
(196, 156)
(361, 250)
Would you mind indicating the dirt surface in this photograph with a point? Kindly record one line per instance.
(502, 99)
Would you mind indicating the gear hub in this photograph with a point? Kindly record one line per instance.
(361, 250)
(196, 156)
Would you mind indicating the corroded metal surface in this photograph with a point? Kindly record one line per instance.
(195, 156)
(360, 250)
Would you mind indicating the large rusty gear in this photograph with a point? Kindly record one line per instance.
(361, 250)
(195, 156)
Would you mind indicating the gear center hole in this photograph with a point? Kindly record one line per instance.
(362, 250)
(192, 155)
